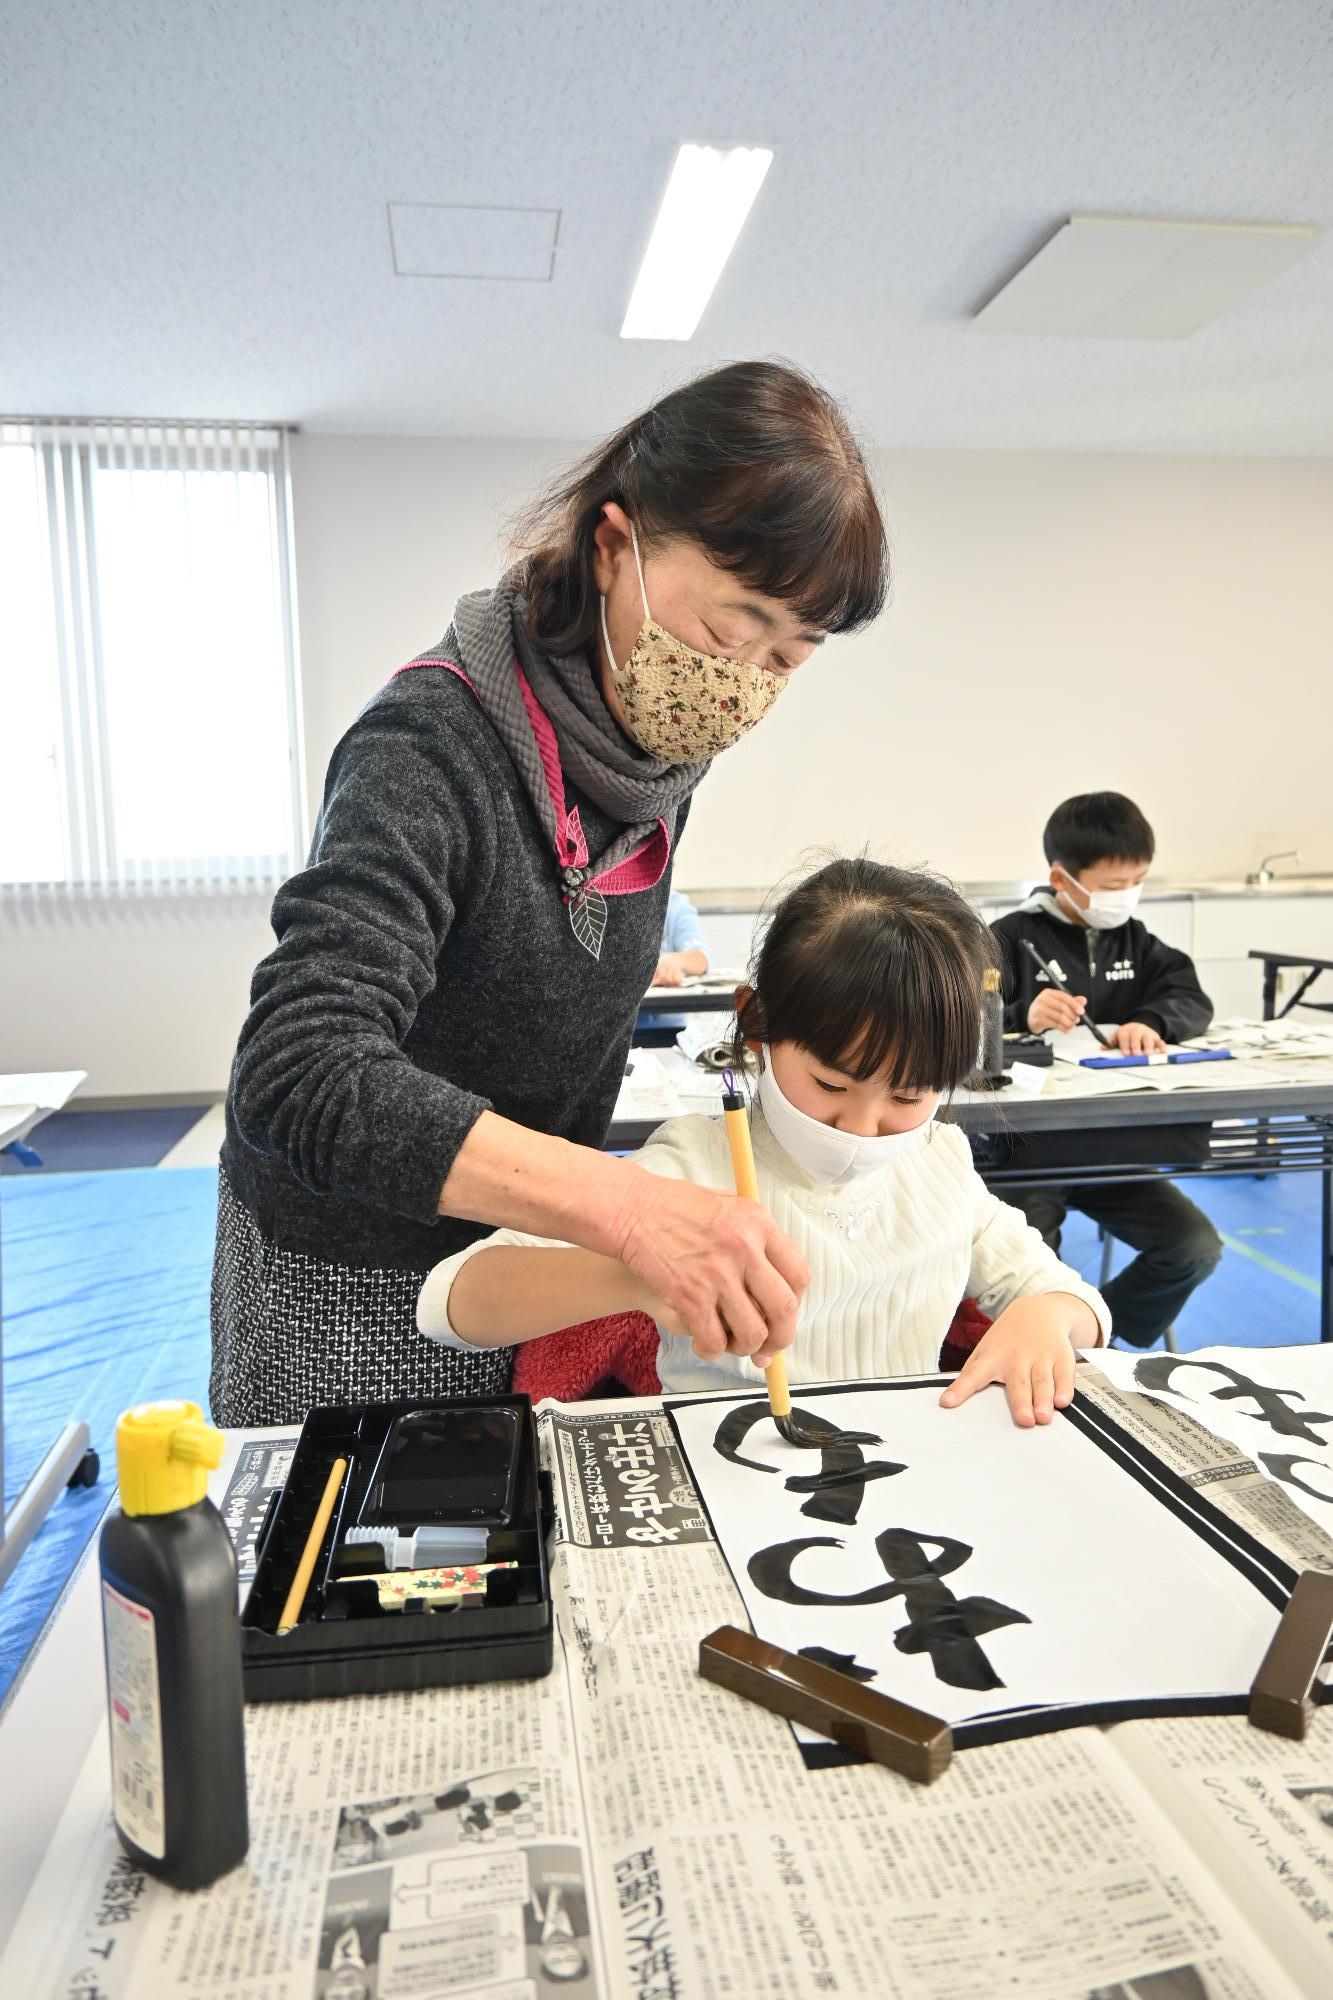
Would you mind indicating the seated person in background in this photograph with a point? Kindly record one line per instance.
(684, 956)
(1141, 993)
(684, 946)
(865, 1011)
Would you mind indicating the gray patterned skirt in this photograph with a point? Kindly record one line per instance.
(291, 1330)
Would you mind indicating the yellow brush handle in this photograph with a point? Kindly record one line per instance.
(747, 1184)
(291, 1610)
(742, 1154)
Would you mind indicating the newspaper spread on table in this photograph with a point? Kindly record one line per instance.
(623, 1830)
(1219, 1471)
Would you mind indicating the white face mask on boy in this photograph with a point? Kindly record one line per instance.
(1108, 908)
(822, 1151)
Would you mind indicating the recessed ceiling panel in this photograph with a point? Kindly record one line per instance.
(432, 239)
(1110, 277)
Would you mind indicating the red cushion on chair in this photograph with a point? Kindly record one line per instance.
(969, 1323)
(594, 1357)
(621, 1351)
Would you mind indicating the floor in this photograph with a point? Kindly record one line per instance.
(1265, 1294)
(74, 1142)
(106, 1269)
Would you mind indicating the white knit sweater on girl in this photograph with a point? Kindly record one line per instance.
(890, 1258)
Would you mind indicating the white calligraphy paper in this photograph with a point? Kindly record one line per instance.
(965, 1566)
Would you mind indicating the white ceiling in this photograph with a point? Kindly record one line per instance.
(193, 213)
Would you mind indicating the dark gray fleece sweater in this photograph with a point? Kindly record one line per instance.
(425, 971)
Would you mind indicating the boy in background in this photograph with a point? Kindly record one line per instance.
(1142, 994)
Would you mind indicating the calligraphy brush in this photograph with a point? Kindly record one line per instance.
(742, 1166)
(305, 1569)
(1057, 978)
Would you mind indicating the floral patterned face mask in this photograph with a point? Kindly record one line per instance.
(682, 706)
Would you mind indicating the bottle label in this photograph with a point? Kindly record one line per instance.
(136, 1721)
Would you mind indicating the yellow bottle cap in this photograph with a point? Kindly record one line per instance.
(163, 1455)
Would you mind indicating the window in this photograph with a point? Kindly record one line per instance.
(149, 693)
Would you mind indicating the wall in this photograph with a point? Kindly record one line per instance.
(390, 532)
(1059, 622)
(146, 995)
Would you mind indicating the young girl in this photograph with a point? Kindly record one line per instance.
(864, 1013)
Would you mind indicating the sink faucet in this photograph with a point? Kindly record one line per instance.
(1265, 874)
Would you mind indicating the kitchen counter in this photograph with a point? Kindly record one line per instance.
(733, 901)
(1217, 922)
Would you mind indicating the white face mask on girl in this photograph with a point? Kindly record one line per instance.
(826, 1154)
(1108, 908)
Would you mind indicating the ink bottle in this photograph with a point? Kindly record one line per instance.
(172, 1633)
(991, 1061)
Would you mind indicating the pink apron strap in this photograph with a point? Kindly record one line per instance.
(643, 869)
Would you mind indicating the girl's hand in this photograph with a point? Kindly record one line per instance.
(716, 1268)
(670, 969)
(1030, 1349)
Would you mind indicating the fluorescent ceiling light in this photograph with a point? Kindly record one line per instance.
(707, 198)
(1116, 277)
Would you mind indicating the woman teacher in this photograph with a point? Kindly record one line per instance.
(435, 1045)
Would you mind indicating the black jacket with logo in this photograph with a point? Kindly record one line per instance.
(1127, 974)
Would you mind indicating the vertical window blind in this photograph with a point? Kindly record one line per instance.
(150, 702)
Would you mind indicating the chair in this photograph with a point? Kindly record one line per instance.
(617, 1355)
(1108, 1259)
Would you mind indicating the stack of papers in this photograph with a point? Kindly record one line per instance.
(27, 1096)
(1288, 1036)
(1072, 1048)
(662, 1084)
(645, 1091)
(1068, 1080)
(723, 982)
(1282, 1052)
(1264, 1053)
(1278, 1042)
(706, 1039)
(46, 1088)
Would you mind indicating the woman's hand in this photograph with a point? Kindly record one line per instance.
(716, 1268)
(707, 1263)
(1030, 1349)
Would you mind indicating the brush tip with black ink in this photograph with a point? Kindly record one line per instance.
(747, 1186)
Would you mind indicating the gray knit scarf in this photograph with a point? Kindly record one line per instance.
(487, 632)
